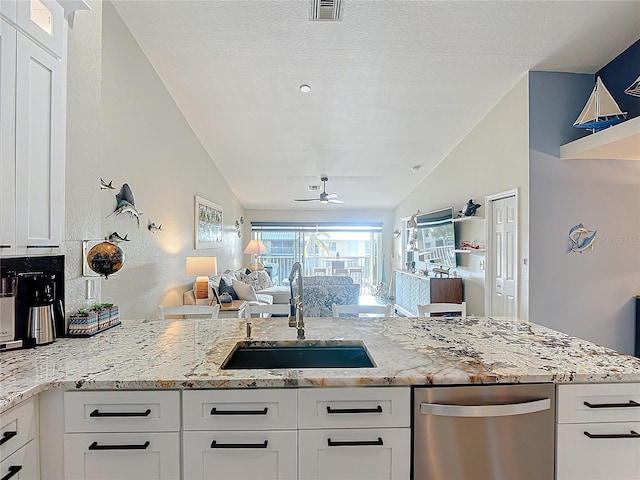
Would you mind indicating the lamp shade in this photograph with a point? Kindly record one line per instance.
(201, 266)
(256, 247)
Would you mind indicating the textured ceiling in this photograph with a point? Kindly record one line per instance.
(395, 84)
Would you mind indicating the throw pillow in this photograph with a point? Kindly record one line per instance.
(225, 287)
(245, 291)
(259, 280)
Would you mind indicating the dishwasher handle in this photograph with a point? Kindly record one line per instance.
(499, 410)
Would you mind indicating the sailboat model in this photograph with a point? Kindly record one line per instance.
(634, 88)
(601, 110)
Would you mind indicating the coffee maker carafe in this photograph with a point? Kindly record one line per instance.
(44, 309)
(8, 290)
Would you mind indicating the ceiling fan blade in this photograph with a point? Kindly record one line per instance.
(333, 200)
(305, 199)
(331, 196)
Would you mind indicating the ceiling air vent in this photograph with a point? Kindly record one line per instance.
(323, 10)
(314, 188)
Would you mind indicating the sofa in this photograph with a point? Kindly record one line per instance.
(259, 280)
(321, 292)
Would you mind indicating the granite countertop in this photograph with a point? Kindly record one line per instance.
(142, 354)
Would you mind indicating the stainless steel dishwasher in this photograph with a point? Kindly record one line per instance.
(484, 432)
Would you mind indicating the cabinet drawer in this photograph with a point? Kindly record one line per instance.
(122, 411)
(119, 456)
(367, 453)
(353, 407)
(580, 457)
(18, 426)
(250, 454)
(266, 409)
(22, 464)
(606, 402)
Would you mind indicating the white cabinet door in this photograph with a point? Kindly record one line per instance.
(7, 138)
(598, 451)
(40, 143)
(355, 454)
(119, 456)
(241, 455)
(22, 464)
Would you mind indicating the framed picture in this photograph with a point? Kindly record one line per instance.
(208, 224)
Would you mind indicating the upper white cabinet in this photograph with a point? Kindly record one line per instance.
(33, 89)
(619, 142)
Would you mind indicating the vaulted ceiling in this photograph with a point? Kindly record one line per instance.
(394, 84)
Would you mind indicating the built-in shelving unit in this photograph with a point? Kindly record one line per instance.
(619, 142)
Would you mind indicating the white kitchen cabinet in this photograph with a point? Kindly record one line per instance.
(122, 435)
(240, 434)
(354, 433)
(598, 431)
(19, 442)
(33, 80)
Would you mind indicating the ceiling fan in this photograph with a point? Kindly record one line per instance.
(324, 196)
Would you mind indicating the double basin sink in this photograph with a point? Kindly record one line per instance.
(262, 354)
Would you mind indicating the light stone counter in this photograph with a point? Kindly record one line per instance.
(143, 354)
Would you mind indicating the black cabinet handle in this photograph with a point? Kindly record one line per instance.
(215, 411)
(13, 469)
(43, 246)
(6, 436)
(631, 434)
(378, 409)
(97, 413)
(5, 246)
(355, 443)
(95, 446)
(631, 404)
(215, 444)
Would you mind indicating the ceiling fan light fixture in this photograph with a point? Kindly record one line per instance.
(304, 88)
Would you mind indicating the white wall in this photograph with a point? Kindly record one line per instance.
(492, 158)
(141, 138)
(590, 295)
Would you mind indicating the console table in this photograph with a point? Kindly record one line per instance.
(413, 290)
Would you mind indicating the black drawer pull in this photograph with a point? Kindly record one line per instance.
(6, 436)
(97, 413)
(355, 443)
(43, 246)
(631, 404)
(13, 469)
(215, 411)
(631, 434)
(95, 446)
(215, 444)
(5, 246)
(378, 409)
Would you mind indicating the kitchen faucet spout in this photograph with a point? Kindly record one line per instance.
(296, 317)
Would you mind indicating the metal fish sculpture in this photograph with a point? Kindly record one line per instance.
(106, 186)
(126, 204)
(581, 238)
(116, 238)
(153, 227)
(469, 209)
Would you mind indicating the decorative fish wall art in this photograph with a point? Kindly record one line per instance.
(581, 238)
(116, 238)
(469, 209)
(126, 204)
(106, 186)
(153, 227)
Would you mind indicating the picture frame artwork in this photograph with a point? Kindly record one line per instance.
(208, 224)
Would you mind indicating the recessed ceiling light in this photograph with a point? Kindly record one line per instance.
(304, 88)
(415, 168)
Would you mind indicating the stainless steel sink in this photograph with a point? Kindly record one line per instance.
(298, 354)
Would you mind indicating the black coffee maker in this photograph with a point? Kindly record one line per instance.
(44, 310)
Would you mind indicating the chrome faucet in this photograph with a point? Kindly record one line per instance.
(296, 317)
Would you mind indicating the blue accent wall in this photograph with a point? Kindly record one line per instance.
(621, 72)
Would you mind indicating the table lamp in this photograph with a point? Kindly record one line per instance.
(201, 267)
(257, 248)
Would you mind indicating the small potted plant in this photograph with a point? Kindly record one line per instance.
(103, 314)
(84, 321)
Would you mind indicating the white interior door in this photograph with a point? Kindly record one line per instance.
(503, 257)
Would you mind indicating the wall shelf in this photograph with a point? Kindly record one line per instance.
(465, 219)
(619, 142)
(472, 250)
